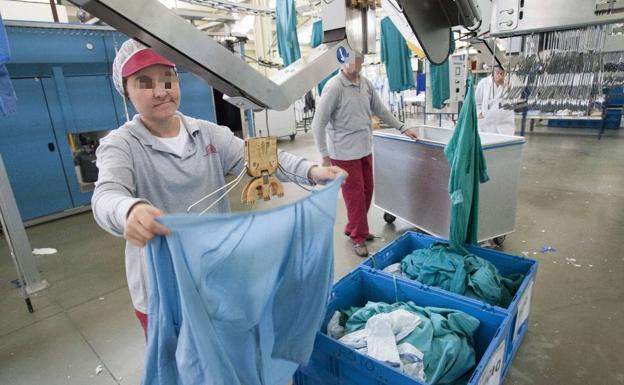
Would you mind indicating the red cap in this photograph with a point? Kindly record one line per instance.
(143, 59)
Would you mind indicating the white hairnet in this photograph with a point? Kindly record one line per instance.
(125, 52)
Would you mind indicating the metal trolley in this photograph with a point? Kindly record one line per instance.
(411, 181)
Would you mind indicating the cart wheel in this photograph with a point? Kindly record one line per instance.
(389, 218)
(292, 137)
(498, 241)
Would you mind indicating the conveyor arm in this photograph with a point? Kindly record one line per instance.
(348, 24)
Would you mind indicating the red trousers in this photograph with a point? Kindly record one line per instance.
(143, 320)
(358, 194)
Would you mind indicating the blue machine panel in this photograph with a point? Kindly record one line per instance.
(197, 97)
(91, 101)
(112, 42)
(30, 151)
(63, 82)
(56, 45)
(61, 132)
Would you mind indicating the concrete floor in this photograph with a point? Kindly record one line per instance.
(571, 197)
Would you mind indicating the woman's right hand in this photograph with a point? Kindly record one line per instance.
(142, 226)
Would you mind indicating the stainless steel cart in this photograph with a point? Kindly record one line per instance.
(411, 181)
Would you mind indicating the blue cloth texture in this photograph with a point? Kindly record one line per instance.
(440, 81)
(315, 41)
(238, 298)
(396, 56)
(444, 336)
(468, 170)
(421, 83)
(5, 51)
(317, 34)
(467, 275)
(8, 99)
(286, 22)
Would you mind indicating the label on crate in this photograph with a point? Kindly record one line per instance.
(493, 371)
(524, 306)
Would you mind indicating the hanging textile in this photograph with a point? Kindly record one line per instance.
(321, 85)
(421, 83)
(468, 170)
(440, 82)
(315, 41)
(8, 100)
(396, 56)
(287, 41)
(238, 298)
(317, 34)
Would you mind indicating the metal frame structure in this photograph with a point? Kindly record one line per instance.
(30, 280)
(230, 6)
(432, 20)
(521, 17)
(348, 26)
(161, 29)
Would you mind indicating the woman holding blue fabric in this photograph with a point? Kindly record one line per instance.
(161, 161)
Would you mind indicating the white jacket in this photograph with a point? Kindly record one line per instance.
(495, 119)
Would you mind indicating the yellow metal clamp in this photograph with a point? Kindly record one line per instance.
(261, 163)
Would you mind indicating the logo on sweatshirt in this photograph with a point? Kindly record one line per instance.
(210, 150)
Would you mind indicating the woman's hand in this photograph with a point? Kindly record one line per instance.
(411, 133)
(322, 174)
(142, 226)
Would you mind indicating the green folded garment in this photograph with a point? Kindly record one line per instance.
(467, 275)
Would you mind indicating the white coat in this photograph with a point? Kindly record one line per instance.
(495, 119)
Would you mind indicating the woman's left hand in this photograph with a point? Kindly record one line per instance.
(321, 175)
(411, 133)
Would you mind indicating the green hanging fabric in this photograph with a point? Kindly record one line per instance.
(287, 41)
(468, 169)
(439, 79)
(321, 85)
(315, 41)
(317, 34)
(396, 56)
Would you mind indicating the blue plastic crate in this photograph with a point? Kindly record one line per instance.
(333, 363)
(506, 264)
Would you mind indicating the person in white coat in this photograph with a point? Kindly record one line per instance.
(492, 118)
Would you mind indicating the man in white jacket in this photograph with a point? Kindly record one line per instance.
(492, 118)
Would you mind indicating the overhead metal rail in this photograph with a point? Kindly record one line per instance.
(349, 26)
(230, 6)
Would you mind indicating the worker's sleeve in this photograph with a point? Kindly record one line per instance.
(115, 189)
(232, 151)
(324, 110)
(479, 98)
(296, 168)
(380, 110)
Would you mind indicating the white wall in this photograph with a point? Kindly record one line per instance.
(31, 11)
